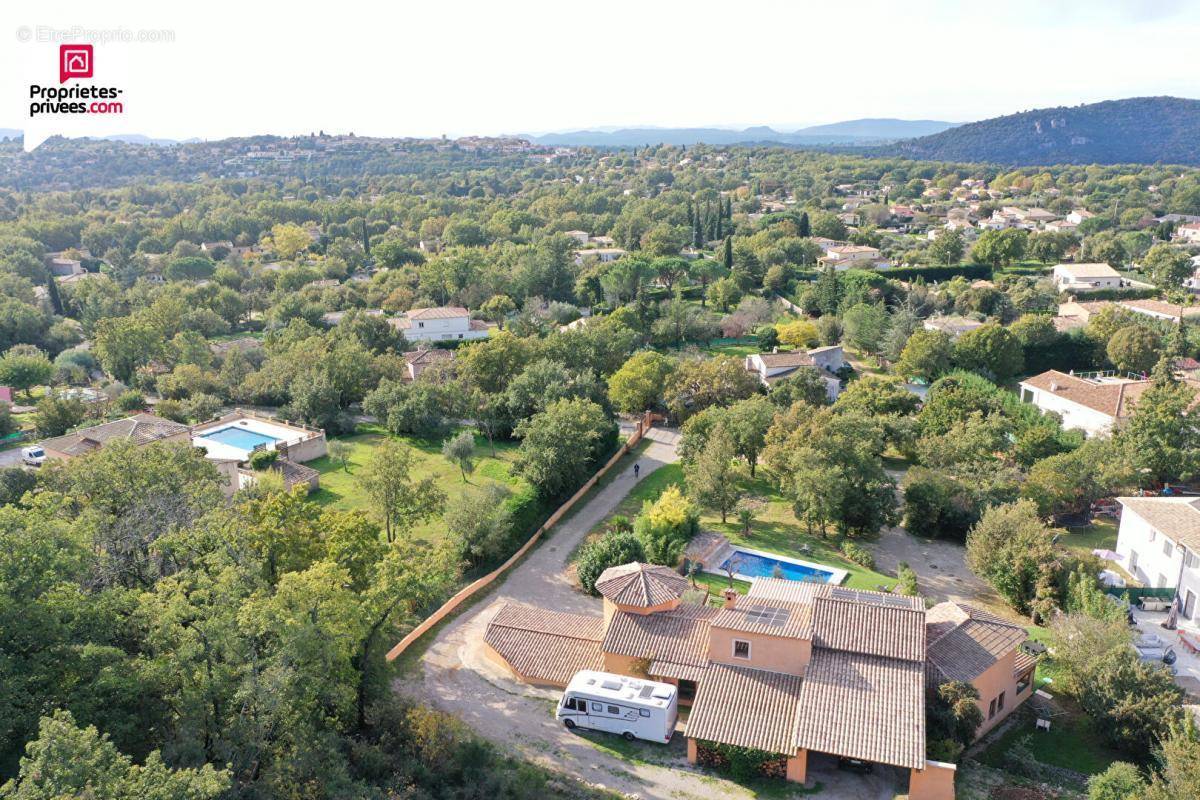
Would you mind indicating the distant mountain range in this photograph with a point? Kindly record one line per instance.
(851, 132)
(130, 138)
(1139, 130)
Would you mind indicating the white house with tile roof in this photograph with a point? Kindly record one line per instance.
(1159, 545)
(440, 324)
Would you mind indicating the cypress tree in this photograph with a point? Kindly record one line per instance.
(729, 253)
(718, 233)
(52, 290)
(805, 226)
(366, 239)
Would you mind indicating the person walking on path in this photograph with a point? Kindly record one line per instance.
(636, 469)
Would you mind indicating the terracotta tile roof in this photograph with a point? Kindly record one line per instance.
(747, 708)
(428, 356)
(1114, 398)
(139, 429)
(440, 312)
(798, 358)
(1023, 662)
(792, 620)
(679, 636)
(965, 641)
(683, 672)
(1159, 307)
(1089, 270)
(871, 623)
(863, 706)
(641, 585)
(546, 645)
(1177, 518)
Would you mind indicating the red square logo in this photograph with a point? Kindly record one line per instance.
(74, 61)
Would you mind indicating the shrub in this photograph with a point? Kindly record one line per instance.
(906, 580)
(666, 526)
(858, 554)
(1120, 781)
(611, 550)
(131, 400)
(262, 459)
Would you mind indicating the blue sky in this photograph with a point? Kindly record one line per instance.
(428, 68)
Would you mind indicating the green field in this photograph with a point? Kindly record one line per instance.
(775, 528)
(340, 487)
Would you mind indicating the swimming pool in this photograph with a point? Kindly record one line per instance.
(750, 564)
(239, 437)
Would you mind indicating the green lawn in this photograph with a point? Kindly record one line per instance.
(1071, 743)
(340, 487)
(775, 528)
(1101, 534)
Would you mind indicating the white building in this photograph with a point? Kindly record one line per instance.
(1188, 232)
(1095, 405)
(444, 323)
(1086, 277)
(579, 236)
(601, 254)
(954, 326)
(774, 367)
(1159, 545)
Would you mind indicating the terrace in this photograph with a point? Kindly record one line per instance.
(235, 436)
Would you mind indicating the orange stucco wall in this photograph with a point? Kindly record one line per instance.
(623, 665)
(611, 608)
(996, 679)
(774, 653)
(935, 782)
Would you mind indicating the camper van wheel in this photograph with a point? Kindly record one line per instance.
(570, 723)
(629, 737)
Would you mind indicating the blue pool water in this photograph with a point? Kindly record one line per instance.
(239, 438)
(756, 566)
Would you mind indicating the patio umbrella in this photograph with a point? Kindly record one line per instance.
(1172, 615)
(1108, 555)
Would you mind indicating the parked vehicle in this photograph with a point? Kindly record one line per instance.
(856, 765)
(634, 708)
(33, 456)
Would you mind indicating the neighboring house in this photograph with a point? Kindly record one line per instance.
(1061, 226)
(418, 361)
(61, 267)
(1159, 544)
(1086, 277)
(1096, 405)
(579, 236)
(1077, 313)
(140, 429)
(444, 323)
(851, 255)
(231, 440)
(774, 367)
(602, 254)
(954, 326)
(1077, 216)
(1188, 232)
(792, 667)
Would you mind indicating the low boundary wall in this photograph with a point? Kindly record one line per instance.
(468, 591)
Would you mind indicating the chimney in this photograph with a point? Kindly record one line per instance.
(731, 596)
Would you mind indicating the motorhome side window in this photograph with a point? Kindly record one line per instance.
(614, 710)
(597, 707)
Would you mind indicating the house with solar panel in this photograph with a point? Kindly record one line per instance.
(803, 670)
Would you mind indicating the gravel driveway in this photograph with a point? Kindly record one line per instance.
(456, 677)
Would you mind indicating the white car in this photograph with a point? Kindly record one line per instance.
(33, 456)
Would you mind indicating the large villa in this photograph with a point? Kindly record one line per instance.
(792, 667)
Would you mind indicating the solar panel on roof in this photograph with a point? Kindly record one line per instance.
(768, 615)
(891, 600)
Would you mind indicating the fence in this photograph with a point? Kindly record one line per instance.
(1132, 594)
(451, 605)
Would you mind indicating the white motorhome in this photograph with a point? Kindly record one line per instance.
(634, 708)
